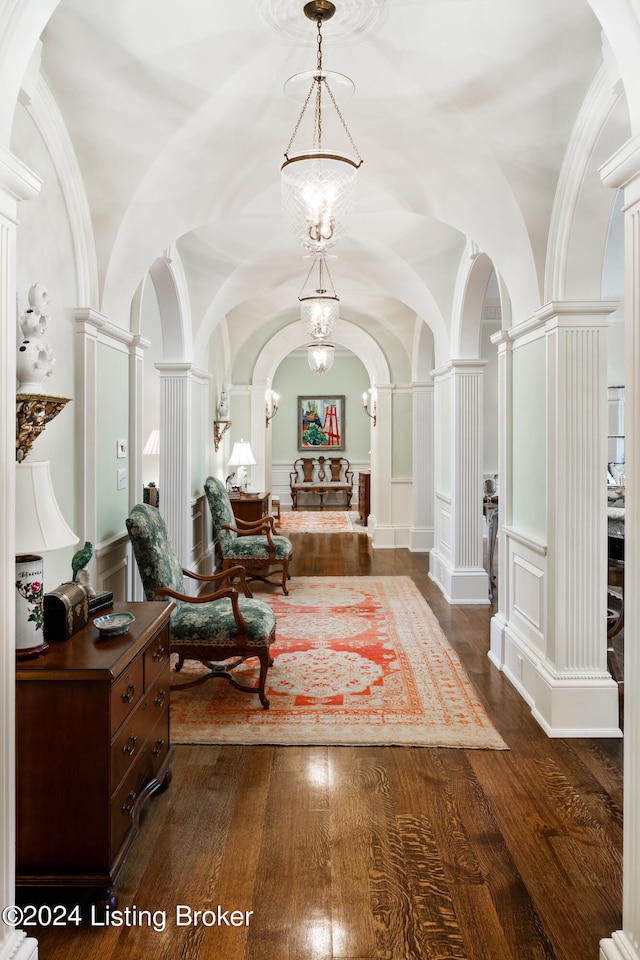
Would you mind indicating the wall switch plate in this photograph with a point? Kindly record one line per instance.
(121, 449)
(122, 480)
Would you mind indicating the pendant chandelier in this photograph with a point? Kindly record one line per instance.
(320, 356)
(319, 183)
(319, 304)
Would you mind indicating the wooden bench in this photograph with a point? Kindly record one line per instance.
(321, 475)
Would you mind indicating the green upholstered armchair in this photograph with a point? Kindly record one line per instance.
(251, 544)
(220, 629)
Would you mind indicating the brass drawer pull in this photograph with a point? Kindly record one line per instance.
(157, 750)
(159, 700)
(158, 653)
(129, 693)
(130, 749)
(128, 807)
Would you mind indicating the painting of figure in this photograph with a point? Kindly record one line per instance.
(321, 423)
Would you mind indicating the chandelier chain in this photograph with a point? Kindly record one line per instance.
(299, 121)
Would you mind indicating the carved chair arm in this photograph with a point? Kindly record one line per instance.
(264, 528)
(229, 592)
(222, 575)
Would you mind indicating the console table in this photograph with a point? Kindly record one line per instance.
(249, 506)
(92, 745)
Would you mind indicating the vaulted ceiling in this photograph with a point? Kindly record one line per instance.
(462, 113)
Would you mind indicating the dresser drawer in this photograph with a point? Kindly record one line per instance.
(125, 693)
(137, 727)
(123, 802)
(155, 656)
(159, 742)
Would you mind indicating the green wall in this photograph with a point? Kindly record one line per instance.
(529, 438)
(293, 378)
(112, 425)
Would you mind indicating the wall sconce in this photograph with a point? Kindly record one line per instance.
(220, 427)
(365, 404)
(272, 399)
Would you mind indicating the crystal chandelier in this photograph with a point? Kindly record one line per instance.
(320, 356)
(319, 184)
(319, 304)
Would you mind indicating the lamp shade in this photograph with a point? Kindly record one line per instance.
(242, 455)
(152, 446)
(40, 525)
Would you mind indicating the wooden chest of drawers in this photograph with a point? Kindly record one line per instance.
(92, 745)
(364, 496)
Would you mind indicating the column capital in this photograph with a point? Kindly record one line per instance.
(623, 168)
(17, 181)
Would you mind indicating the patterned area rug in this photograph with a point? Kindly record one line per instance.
(358, 661)
(319, 521)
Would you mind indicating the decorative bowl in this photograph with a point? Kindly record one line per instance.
(114, 624)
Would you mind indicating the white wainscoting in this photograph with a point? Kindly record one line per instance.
(525, 641)
(114, 567)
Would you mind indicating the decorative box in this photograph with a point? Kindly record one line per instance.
(66, 610)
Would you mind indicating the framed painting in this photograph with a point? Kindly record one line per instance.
(320, 423)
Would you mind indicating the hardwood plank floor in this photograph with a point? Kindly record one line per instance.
(390, 853)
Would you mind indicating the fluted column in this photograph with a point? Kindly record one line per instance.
(260, 481)
(381, 492)
(455, 562)
(623, 170)
(16, 183)
(175, 454)
(421, 535)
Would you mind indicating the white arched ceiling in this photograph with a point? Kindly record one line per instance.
(293, 337)
(473, 277)
(268, 289)
(170, 284)
(583, 206)
(620, 20)
(422, 357)
(21, 24)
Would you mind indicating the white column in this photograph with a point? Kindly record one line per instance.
(136, 439)
(575, 693)
(421, 534)
(505, 379)
(16, 183)
(455, 563)
(175, 454)
(381, 491)
(258, 473)
(623, 170)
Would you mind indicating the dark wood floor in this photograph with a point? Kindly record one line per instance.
(392, 853)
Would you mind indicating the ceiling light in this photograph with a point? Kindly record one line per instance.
(320, 357)
(319, 304)
(319, 183)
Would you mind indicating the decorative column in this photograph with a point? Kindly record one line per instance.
(381, 493)
(421, 534)
(623, 170)
(575, 694)
(455, 563)
(17, 183)
(260, 477)
(175, 454)
(136, 436)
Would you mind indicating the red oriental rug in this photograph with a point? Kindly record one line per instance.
(358, 661)
(319, 521)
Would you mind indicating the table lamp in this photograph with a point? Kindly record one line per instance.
(242, 457)
(40, 527)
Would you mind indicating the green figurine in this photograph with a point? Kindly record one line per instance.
(81, 558)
